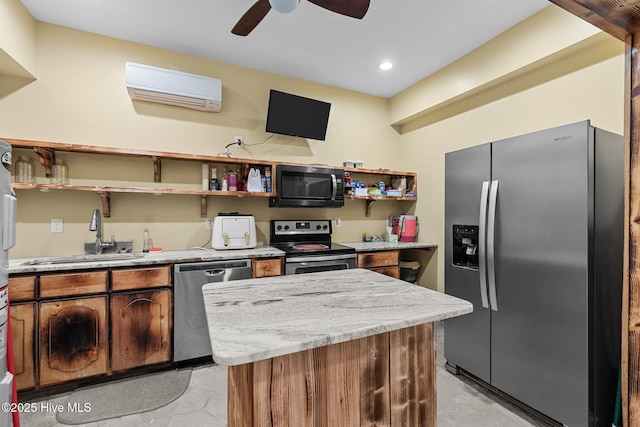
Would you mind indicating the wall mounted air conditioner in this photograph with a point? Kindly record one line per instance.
(153, 84)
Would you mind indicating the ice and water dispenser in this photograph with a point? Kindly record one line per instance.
(465, 246)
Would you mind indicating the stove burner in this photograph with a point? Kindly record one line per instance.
(310, 246)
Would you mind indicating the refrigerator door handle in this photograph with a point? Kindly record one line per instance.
(482, 222)
(491, 237)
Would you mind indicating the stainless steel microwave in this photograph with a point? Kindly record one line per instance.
(308, 187)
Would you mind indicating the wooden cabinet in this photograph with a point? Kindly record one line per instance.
(140, 278)
(140, 329)
(61, 328)
(383, 262)
(22, 294)
(140, 312)
(267, 267)
(22, 336)
(72, 284)
(22, 288)
(73, 339)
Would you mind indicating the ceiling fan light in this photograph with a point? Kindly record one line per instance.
(284, 6)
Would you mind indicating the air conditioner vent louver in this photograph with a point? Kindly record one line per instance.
(153, 84)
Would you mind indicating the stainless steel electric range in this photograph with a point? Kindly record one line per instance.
(308, 247)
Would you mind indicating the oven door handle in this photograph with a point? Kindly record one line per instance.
(334, 183)
(321, 258)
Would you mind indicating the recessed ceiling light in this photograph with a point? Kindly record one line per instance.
(386, 65)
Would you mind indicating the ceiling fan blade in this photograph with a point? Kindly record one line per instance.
(353, 8)
(252, 18)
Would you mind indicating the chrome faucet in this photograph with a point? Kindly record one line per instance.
(96, 225)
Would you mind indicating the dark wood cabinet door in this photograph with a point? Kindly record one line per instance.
(140, 329)
(72, 339)
(22, 334)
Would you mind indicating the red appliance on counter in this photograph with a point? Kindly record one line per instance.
(406, 227)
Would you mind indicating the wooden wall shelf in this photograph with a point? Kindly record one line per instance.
(46, 152)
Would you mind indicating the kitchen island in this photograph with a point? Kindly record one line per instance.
(340, 348)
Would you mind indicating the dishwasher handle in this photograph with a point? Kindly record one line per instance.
(217, 272)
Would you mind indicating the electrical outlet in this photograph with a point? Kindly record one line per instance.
(208, 224)
(337, 222)
(238, 140)
(57, 225)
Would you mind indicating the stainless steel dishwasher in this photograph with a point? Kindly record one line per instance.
(190, 331)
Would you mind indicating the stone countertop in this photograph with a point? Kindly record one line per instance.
(385, 246)
(251, 320)
(70, 262)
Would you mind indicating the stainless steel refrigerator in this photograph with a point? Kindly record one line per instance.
(534, 239)
(8, 207)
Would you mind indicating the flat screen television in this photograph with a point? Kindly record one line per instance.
(295, 115)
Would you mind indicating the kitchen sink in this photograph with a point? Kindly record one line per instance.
(69, 259)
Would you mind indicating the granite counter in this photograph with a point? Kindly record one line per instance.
(70, 262)
(348, 348)
(386, 246)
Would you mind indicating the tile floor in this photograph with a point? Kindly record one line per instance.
(461, 403)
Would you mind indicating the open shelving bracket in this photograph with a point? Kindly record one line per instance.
(46, 157)
(105, 197)
(157, 169)
(369, 202)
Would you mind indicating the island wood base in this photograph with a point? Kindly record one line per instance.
(387, 379)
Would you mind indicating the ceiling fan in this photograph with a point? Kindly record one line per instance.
(252, 17)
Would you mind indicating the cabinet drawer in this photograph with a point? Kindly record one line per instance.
(267, 267)
(22, 288)
(141, 278)
(69, 284)
(377, 259)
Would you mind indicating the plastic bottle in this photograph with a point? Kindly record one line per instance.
(214, 184)
(225, 185)
(233, 181)
(267, 174)
(205, 177)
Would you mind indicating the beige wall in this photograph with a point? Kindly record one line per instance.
(80, 97)
(586, 84)
(17, 46)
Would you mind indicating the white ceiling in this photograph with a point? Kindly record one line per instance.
(310, 43)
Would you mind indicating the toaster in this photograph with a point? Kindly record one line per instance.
(233, 231)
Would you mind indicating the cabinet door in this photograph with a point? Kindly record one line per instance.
(22, 333)
(140, 325)
(72, 339)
